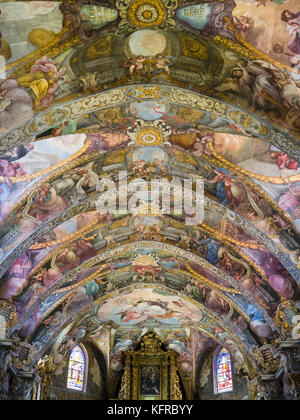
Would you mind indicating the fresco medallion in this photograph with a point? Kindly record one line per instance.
(150, 13)
(146, 42)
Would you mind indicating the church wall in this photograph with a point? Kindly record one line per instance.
(94, 389)
(205, 385)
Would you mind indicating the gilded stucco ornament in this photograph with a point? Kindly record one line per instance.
(145, 14)
(287, 318)
(296, 327)
(8, 317)
(258, 389)
(173, 95)
(266, 358)
(46, 369)
(146, 133)
(24, 355)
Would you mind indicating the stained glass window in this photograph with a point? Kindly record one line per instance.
(224, 372)
(77, 369)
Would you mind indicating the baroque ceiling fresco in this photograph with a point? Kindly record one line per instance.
(174, 89)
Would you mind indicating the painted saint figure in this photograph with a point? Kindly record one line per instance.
(15, 105)
(150, 383)
(284, 161)
(293, 27)
(42, 80)
(290, 202)
(5, 50)
(242, 23)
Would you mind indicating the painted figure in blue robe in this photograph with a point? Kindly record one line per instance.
(219, 180)
(257, 322)
(211, 249)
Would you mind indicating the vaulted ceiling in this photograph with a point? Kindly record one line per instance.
(160, 89)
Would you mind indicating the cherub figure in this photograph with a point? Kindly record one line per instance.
(155, 232)
(139, 167)
(162, 63)
(135, 66)
(202, 145)
(242, 23)
(162, 169)
(140, 229)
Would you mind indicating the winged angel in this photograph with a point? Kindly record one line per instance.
(265, 87)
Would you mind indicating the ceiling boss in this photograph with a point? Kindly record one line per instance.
(149, 133)
(149, 13)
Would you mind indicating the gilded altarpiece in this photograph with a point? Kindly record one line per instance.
(150, 373)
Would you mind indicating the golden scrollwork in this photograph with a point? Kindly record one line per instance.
(286, 310)
(46, 369)
(124, 393)
(149, 136)
(265, 359)
(146, 13)
(193, 48)
(212, 284)
(150, 343)
(8, 309)
(176, 393)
